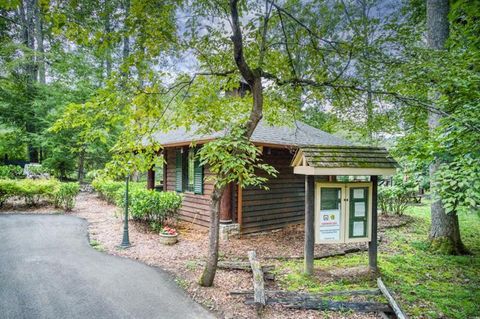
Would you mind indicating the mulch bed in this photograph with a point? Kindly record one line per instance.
(182, 259)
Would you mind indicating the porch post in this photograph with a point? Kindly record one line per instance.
(309, 224)
(372, 245)
(151, 178)
(226, 205)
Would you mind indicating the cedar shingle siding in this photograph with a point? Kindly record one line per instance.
(283, 204)
(263, 210)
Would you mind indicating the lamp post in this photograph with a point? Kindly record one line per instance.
(126, 241)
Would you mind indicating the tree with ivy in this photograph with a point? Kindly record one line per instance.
(444, 75)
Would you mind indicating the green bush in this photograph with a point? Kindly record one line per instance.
(394, 199)
(65, 195)
(144, 204)
(33, 190)
(7, 189)
(10, 171)
(153, 206)
(108, 189)
(114, 192)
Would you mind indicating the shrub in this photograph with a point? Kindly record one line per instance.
(113, 191)
(153, 206)
(8, 188)
(65, 194)
(394, 199)
(107, 189)
(147, 205)
(34, 190)
(10, 171)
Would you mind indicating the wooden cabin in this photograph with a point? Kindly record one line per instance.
(253, 209)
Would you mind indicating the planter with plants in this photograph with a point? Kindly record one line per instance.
(168, 236)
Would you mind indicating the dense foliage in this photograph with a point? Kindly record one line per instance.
(32, 191)
(394, 199)
(114, 191)
(155, 207)
(10, 172)
(147, 205)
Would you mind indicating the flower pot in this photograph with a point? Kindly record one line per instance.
(168, 239)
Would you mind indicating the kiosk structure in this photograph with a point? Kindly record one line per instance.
(338, 210)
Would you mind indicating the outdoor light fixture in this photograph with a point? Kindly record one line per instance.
(126, 241)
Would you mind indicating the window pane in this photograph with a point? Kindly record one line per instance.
(330, 214)
(330, 198)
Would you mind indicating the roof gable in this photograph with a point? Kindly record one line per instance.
(343, 160)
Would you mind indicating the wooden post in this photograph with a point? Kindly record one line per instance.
(395, 306)
(150, 179)
(258, 283)
(372, 245)
(309, 224)
(226, 205)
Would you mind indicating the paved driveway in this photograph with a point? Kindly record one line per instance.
(48, 270)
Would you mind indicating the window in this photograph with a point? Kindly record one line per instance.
(188, 172)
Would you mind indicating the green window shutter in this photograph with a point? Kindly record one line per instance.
(178, 171)
(198, 177)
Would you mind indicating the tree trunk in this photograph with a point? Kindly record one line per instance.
(126, 43)
(40, 51)
(213, 239)
(444, 230)
(108, 51)
(254, 80)
(30, 8)
(81, 165)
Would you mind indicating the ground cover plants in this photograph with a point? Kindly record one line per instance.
(428, 285)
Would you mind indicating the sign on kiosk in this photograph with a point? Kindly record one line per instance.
(342, 212)
(330, 224)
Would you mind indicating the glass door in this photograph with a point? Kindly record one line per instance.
(330, 215)
(358, 212)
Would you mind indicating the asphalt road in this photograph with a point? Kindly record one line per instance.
(49, 270)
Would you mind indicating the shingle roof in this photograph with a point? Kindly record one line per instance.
(352, 157)
(297, 135)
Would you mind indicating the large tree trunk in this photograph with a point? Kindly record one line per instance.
(26, 15)
(254, 80)
(40, 51)
(30, 8)
(213, 239)
(444, 230)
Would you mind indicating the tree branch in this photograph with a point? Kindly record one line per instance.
(11, 20)
(305, 27)
(266, 18)
(237, 40)
(287, 48)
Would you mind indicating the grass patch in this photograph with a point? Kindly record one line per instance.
(97, 245)
(427, 285)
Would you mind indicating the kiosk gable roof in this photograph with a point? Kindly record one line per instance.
(352, 160)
